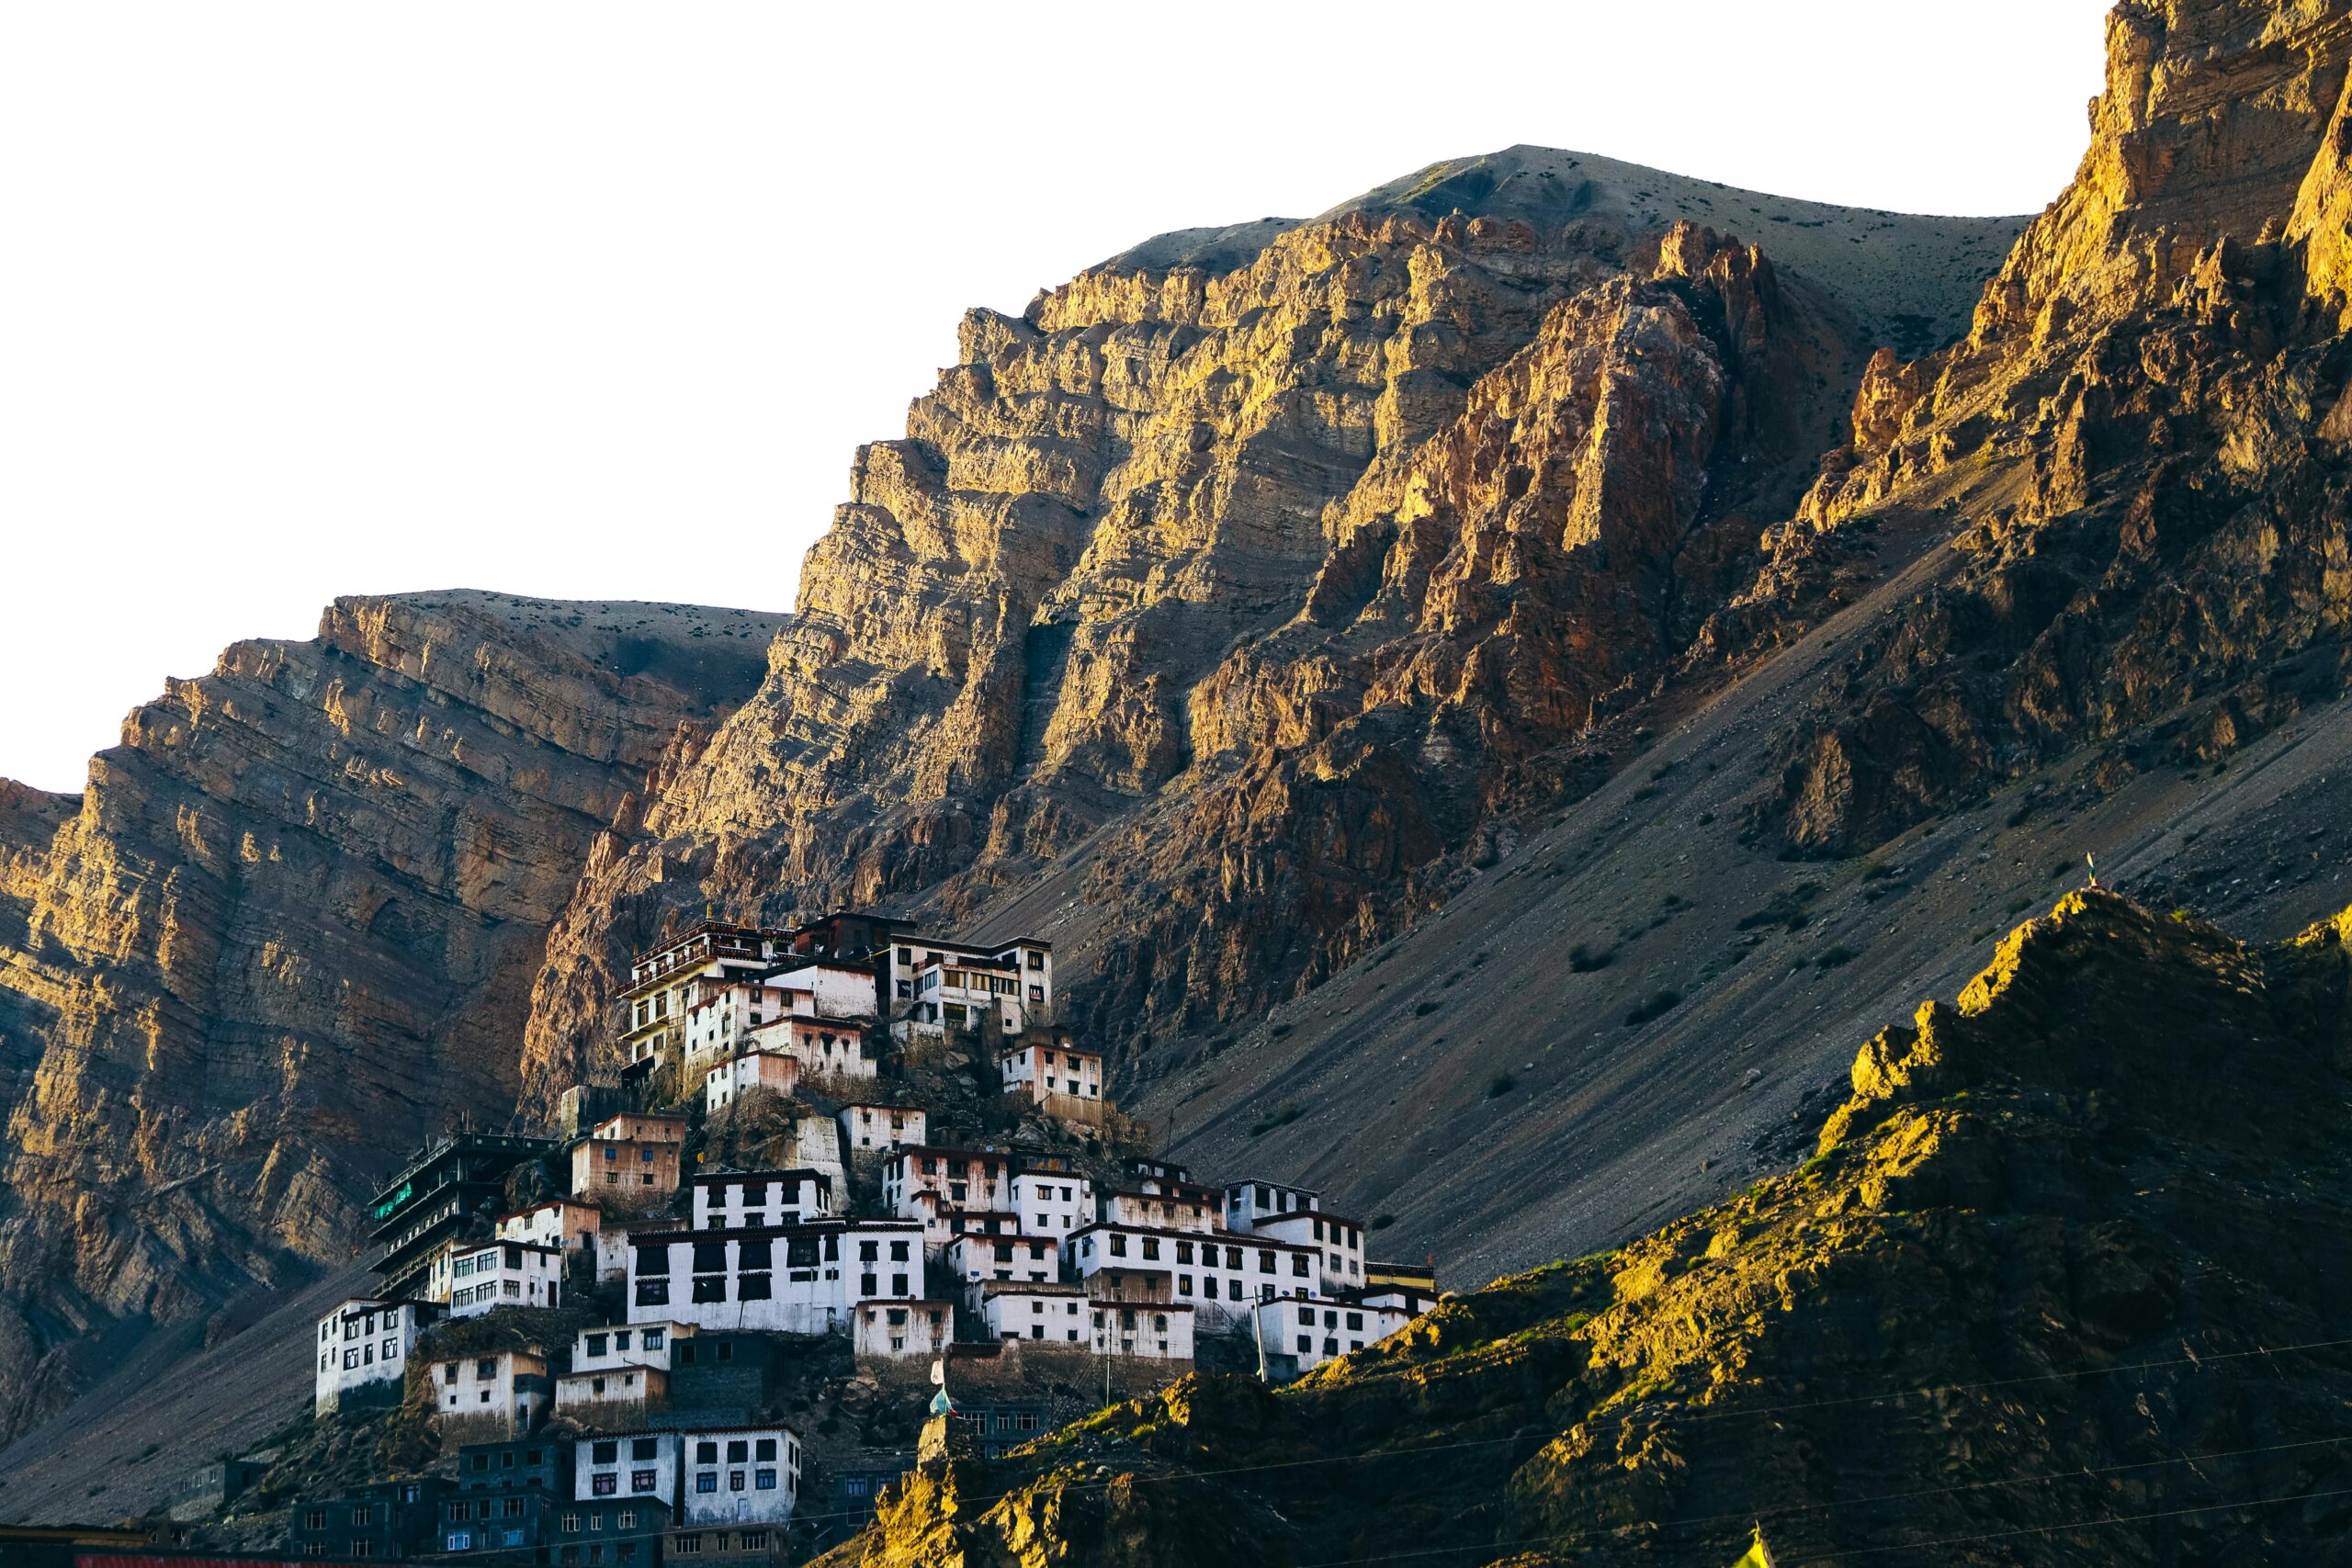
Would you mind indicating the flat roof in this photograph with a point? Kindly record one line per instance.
(812, 1227)
(1207, 1238)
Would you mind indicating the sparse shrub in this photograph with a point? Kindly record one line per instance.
(1381, 1222)
(1979, 934)
(1656, 1005)
(1500, 1085)
(1278, 1031)
(1423, 1010)
(2020, 904)
(1282, 1115)
(1877, 871)
(1583, 959)
(1835, 954)
(2061, 869)
(2181, 916)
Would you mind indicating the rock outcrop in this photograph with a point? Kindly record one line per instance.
(2062, 1284)
(288, 929)
(2135, 459)
(1235, 584)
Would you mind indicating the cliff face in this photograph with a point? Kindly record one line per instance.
(2137, 454)
(1265, 564)
(289, 929)
(2065, 1281)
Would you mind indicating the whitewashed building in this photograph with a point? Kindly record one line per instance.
(644, 1465)
(662, 977)
(1157, 1331)
(733, 1076)
(619, 1371)
(781, 1279)
(749, 1200)
(937, 988)
(897, 1328)
(824, 1047)
(1052, 1203)
(1057, 1077)
(557, 1223)
(867, 1127)
(1223, 1275)
(1313, 1330)
(1195, 1211)
(962, 1179)
(1247, 1202)
(487, 1274)
(972, 1260)
(1339, 1241)
(482, 1398)
(738, 1475)
(364, 1347)
(1053, 1313)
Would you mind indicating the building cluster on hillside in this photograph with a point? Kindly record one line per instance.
(628, 1436)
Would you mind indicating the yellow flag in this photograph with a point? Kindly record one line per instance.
(1759, 1554)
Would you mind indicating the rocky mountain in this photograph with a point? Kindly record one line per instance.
(2063, 1281)
(1243, 579)
(289, 929)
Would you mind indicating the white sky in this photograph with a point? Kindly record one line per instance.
(595, 301)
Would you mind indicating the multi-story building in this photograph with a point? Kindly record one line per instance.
(363, 1347)
(639, 1465)
(903, 1328)
(486, 1274)
(868, 1126)
(1052, 1203)
(1156, 1331)
(736, 1200)
(655, 1001)
(963, 1178)
(1312, 1330)
(1340, 1241)
(777, 1279)
(1058, 1079)
(1222, 1275)
(620, 1373)
(934, 987)
(742, 1484)
(499, 1396)
(730, 1079)
(824, 1047)
(1247, 1202)
(557, 1223)
(1051, 1314)
(973, 1261)
(1188, 1209)
(631, 1157)
(435, 1195)
(389, 1520)
(508, 1525)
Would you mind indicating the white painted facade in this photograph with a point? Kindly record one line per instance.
(752, 1200)
(961, 1177)
(1247, 1202)
(865, 1127)
(635, 1464)
(781, 1280)
(1059, 1079)
(825, 1048)
(1052, 1314)
(1052, 1203)
(365, 1343)
(972, 1260)
(1158, 1331)
(1161, 1210)
(925, 977)
(1222, 1275)
(1314, 1330)
(904, 1328)
(557, 1223)
(730, 1080)
(487, 1274)
(507, 1390)
(1340, 1241)
(740, 1475)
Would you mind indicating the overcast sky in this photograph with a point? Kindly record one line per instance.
(593, 300)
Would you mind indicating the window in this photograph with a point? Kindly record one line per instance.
(653, 1338)
(362, 1516)
(314, 1520)
(604, 1452)
(767, 1448)
(628, 1519)
(734, 1480)
(643, 1481)
(605, 1484)
(706, 1452)
(706, 1480)
(570, 1524)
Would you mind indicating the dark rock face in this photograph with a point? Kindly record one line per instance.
(289, 929)
(2064, 1282)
